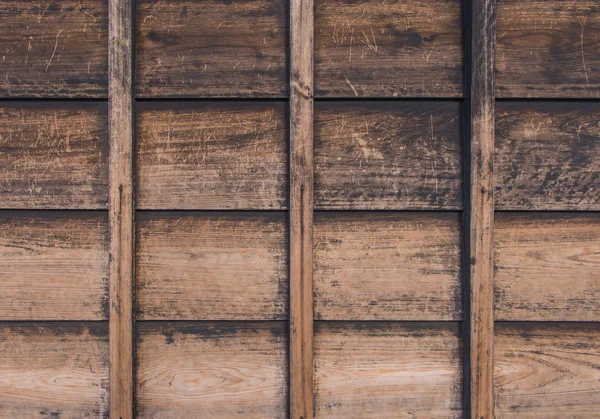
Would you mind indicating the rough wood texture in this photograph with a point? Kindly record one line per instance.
(384, 155)
(547, 371)
(212, 266)
(53, 155)
(53, 48)
(233, 370)
(546, 267)
(388, 370)
(371, 48)
(57, 370)
(212, 48)
(212, 156)
(548, 48)
(391, 266)
(547, 156)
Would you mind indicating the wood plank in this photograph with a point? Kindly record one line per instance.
(548, 48)
(548, 156)
(232, 370)
(387, 266)
(212, 266)
(547, 370)
(212, 155)
(53, 370)
(388, 370)
(53, 155)
(53, 49)
(214, 48)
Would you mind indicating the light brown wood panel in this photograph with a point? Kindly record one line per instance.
(227, 370)
(385, 155)
(387, 266)
(53, 370)
(388, 370)
(372, 48)
(212, 156)
(212, 48)
(547, 156)
(547, 266)
(54, 266)
(547, 370)
(212, 266)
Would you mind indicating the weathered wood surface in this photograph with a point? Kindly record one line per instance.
(213, 48)
(53, 370)
(371, 48)
(227, 370)
(384, 155)
(53, 48)
(388, 370)
(212, 156)
(547, 156)
(212, 266)
(548, 48)
(390, 266)
(547, 370)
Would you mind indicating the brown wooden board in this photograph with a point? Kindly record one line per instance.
(372, 48)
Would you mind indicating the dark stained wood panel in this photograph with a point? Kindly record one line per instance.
(372, 48)
(547, 266)
(54, 266)
(54, 370)
(53, 48)
(548, 48)
(53, 155)
(212, 156)
(385, 155)
(387, 266)
(212, 266)
(233, 370)
(214, 48)
(547, 156)
(388, 370)
(547, 370)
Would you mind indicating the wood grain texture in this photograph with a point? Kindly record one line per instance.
(548, 48)
(547, 370)
(387, 266)
(214, 48)
(53, 155)
(212, 266)
(53, 370)
(388, 370)
(233, 370)
(212, 156)
(546, 267)
(370, 48)
(547, 156)
(385, 155)
(53, 48)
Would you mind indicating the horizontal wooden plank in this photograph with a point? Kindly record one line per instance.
(53, 265)
(387, 266)
(212, 266)
(546, 266)
(547, 156)
(388, 370)
(547, 370)
(54, 370)
(384, 155)
(233, 370)
(212, 156)
(53, 155)
(212, 48)
(548, 48)
(371, 48)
